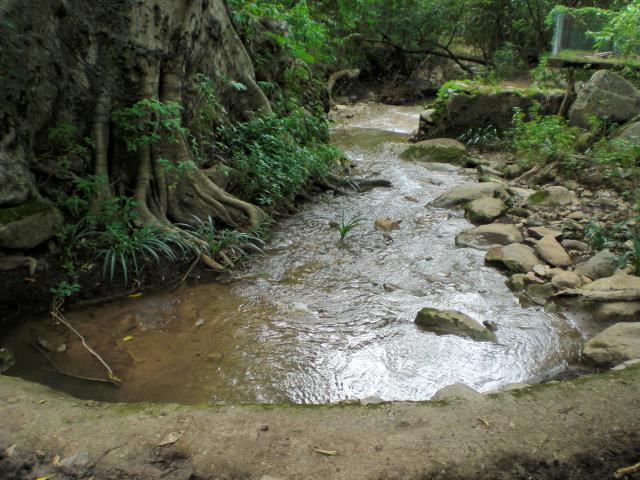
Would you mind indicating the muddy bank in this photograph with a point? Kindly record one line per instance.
(554, 431)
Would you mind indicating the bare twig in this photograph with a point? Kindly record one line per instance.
(57, 369)
(106, 452)
(57, 315)
(628, 470)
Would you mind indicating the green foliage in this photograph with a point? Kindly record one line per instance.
(623, 156)
(541, 138)
(622, 30)
(482, 138)
(508, 61)
(65, 289)
(346, 226)
(66, 149)
(227, 243)
(596, 236)
(301, 35)
(277, 154)
(148, 122)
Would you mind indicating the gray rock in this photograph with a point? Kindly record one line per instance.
(371, 400)
(510, 387)
(450, 322)
(516, 258)
(630, 133)
(485, 210)
(28, 225)
(540, 290)
(625, 365)
(552, 252)
(601, 265)
(486, 236)
(607, 96)
(439, 150)
(566, 280)
(554, 196)
(468, 192)
(517, 282)
(575, 245)
(457, 391)
(616, 282)
(617, 344)
(617, 312)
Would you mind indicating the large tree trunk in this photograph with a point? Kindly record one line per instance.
(78, 61)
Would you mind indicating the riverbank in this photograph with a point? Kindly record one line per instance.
(583, 429)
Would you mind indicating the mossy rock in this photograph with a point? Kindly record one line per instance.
(450, 322)
(26, 226)
(439, 150)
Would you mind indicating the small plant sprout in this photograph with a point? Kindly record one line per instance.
(345, 226)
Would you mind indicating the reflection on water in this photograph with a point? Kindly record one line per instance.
(314, 321)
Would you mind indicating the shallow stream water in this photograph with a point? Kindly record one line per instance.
(313, 321)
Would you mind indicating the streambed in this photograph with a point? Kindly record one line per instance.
(314, 321)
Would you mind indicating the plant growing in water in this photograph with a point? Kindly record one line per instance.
(345, 226)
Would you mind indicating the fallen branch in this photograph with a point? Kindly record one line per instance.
(57, 315)
(106, 452)
(622, 472)
(624, 295)
(57, 369)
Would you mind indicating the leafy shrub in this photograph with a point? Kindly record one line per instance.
(508, 61)
(541, 138)
(277, 154)
(481, 138)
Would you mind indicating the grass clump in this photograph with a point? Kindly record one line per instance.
(347, 225)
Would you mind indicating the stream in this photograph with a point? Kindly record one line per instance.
(314, 321)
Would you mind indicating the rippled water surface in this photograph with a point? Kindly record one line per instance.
(313, 321)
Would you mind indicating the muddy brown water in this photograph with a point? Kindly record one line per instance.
(313, 321)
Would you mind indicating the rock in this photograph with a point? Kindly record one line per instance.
(540, 270)
(387, 225)
(566, 280)
(575, 245)
(616, 312)
(469, 104)
(79, 459)
(541, 232)
(616, 282)
(531, 278)
(540, 290)
(517, 282)
(601, 265)
(427, 116)
(468, 192)
(554, 196)
(627, 364)
(485, 210)
(615, 345)
(516, 258)
(28, 225)
(513, 171)
(630, 133)
(412, 199)
(576, 216)
(553, 253)
(485, 236)
(487, 170)
(607, 96)
(438, 150)
(7, 360)
(520, 193)
(450, 322)
(458, 391)
(373, 400)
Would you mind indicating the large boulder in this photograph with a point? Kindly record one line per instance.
(616, 282)
(554, 196)
(485, 210)
(486, 236)
(601, 265)
(630, 133)
(607, 96)
(550, 250)
(450, 322)
(617, 312)
(457, 391)
(516, 258)
(468, 192)
(467, 105)
(617, 344)
(28, 225)
(438, 150)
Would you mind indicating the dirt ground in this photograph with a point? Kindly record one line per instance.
(583, 429)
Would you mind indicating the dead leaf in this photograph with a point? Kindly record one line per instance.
(329, 453)
(128, 338)
(47, 477)
(170, 439)
(135, 295)
(484, 421)
(56, 461)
